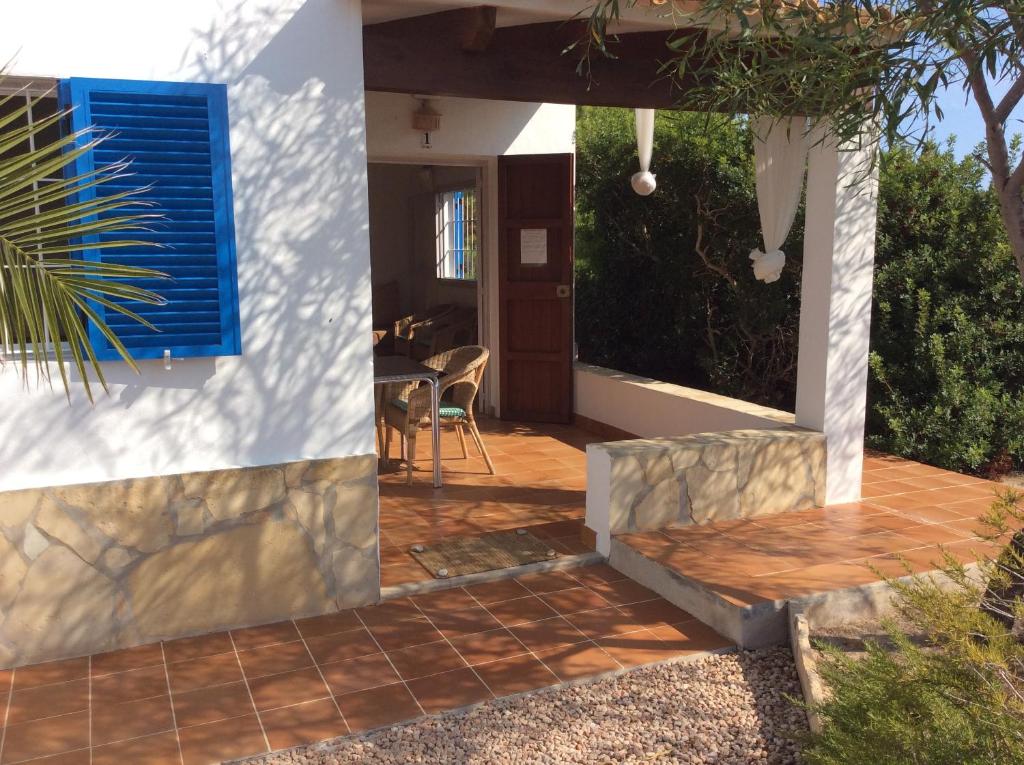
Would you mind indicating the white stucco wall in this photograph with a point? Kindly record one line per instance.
(654, 409)
(469, 128)
(303, 387)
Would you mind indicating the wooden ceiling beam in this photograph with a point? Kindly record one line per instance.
(479, 28)
(452, 53)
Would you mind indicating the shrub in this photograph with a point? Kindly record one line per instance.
(664, 286)
(665, 289)
(957, 699)
(947, 340)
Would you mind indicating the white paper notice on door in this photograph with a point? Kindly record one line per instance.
(533, 246)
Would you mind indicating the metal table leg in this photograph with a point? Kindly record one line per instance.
(435, 429)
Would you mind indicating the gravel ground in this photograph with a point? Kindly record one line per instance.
(722, 709)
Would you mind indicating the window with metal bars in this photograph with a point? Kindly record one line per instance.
(458, 234)
(14, 98)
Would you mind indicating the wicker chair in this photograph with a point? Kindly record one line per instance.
(409, 411)
(450, 330)
(405, 328)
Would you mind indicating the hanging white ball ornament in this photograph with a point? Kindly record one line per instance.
(644, 183)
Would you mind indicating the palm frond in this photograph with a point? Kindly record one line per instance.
(47, 299)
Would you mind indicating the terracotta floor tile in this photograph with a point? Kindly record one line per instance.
(599, 572)
(207, 705)
(51, 672)
(197, 647)
(265, 634)
(342, 646)
(516, 675)
(389, 611)
(652, 613)
(117, 722)
(328, 624)
(497, 591)
(623, 591)
(40, 738)
(548, 581)
(635, 648)
(576, 661)
(934, 534)
(546, 634)
(603, 621)
(521, 610)
(690, 637)
(129, 686)
(488, 646)
(160, 749)
(450, 690)
(375, 707)
(201, 673)
(127, 658)
(48, 701)
(424, 660)
(303, 724)
(445, 601)
(274, 659)
(224, 740)
(574, 600)
(77, 757)
(901, 502)
(467, 621)
(288, 688)
(359, 674)
(394, 635)
(970, 527)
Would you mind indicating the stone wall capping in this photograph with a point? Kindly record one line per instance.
(644, 484)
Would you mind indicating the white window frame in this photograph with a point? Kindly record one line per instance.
(29, 89)
(453, 244)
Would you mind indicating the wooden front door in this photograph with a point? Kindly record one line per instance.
(535, 222)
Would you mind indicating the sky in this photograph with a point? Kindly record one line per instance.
(963, 120)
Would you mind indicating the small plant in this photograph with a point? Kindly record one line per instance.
(957, 699)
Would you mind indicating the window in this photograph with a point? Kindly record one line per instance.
(176, 136)
(17, 94)
(458, 234)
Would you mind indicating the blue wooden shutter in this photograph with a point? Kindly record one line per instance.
(176, 135)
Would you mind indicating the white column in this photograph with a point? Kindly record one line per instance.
(835, 309)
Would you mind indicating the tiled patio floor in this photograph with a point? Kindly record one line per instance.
(907, 511)
(221, 696)
(540, 485)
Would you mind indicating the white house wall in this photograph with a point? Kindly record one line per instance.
(224, 492)
(302, 388)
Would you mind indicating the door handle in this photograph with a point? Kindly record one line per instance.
(562, 291)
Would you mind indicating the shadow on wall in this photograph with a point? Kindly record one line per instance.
(303, 271)
(850, 321)
(302, 388)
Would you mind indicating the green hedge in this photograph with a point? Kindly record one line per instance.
(947, 363)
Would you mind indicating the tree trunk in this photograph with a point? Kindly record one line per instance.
(1011, 209)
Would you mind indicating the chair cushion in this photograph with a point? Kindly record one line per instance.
(445, 410)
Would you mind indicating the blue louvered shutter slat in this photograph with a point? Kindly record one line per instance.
(176, 135)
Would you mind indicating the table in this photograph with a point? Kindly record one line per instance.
(401, 369)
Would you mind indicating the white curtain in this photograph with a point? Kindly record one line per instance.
(780, 158)
(643, 182)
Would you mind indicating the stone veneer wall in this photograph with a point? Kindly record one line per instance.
(98, 566)
(654, 483)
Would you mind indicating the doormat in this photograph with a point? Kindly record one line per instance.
(458, 556)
